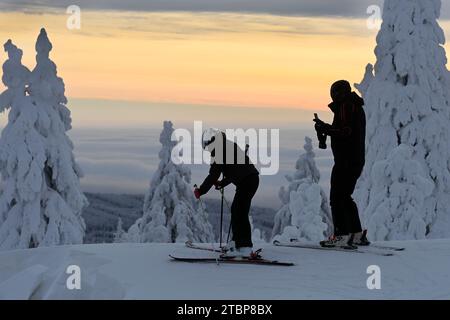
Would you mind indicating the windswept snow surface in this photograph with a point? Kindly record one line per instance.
(145, 271)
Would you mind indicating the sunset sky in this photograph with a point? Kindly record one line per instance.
(202, 58)
(247, 55)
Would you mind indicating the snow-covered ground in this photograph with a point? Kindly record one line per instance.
(144, 271)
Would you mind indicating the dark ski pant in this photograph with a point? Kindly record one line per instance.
(240, 223)
(343, 207)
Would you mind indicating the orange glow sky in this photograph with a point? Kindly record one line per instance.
(199, 58)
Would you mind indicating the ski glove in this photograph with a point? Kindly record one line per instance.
(220, 184)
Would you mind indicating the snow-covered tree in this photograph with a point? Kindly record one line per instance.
(170, 212)
(15, 77)
(397, 197)
(407, 97)
(202, 229)
(305, 213)
(257, 235)
(41, 202)
(119, 235)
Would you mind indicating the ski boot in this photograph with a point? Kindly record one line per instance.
(230, 251)
(230, 246)
(360, 239)
(242, 253)
(345, 242)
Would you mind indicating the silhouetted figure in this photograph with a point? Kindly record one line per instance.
(347, 133)
(233, 163)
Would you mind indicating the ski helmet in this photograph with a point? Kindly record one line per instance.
(340, 90)
(209, 136)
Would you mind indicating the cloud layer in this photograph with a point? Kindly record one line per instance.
(123, 161)
(356, 8)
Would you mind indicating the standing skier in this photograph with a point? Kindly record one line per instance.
(347, 134)
(235, 166)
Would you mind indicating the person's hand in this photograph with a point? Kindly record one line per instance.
(319, 122)
(197, 193)
(319, 126)
(218, 185)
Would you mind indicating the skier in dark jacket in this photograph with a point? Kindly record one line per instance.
(347, 132)
(234, 165)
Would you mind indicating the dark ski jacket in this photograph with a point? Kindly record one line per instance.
(233, 171)
(348, 131)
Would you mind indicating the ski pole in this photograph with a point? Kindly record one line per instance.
(221, 217)
(229, 231)
(229, 209)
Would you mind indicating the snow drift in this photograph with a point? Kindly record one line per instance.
(144, 271)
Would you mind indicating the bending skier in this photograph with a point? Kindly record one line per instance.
(347, 134)
(229, 160)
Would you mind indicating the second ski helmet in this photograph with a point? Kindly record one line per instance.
(340, 90)
(209, 136)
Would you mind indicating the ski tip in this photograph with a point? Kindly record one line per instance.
(387, 247)
(384, 254)
(190, 260)
(179, 258)
(286, 264)
(172, 258)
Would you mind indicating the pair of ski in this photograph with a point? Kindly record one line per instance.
(296, 244)
(258, 260)
(379, 250)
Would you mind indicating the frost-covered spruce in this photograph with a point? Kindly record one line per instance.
(407, 97)
(41, 202)
(305, 214)
(202, 228)
(170, 213)
(397, 197)
(258, 237)
(119, 235)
